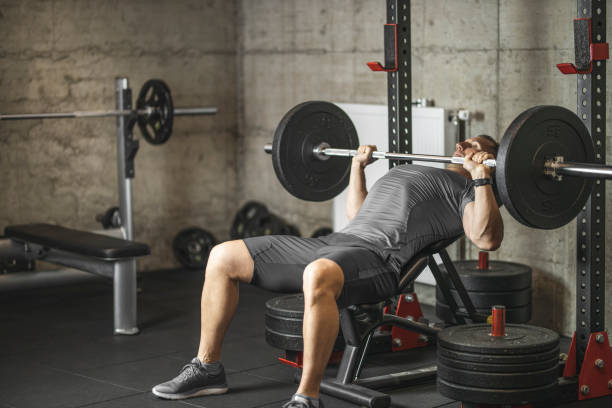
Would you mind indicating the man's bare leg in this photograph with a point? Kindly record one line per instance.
(228, 264)
(323, 282)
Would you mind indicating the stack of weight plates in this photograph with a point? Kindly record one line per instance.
(503, 283)
(475, 367)
(284, 316)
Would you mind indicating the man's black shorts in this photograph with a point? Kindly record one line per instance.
(280, 261)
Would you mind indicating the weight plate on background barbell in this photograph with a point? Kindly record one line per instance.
(535, 136)
(156, 127)
(192, 246)
(497, 367)
(500, 359)
(499, 276)
(321, 232)
(519, 339)
(302, 129)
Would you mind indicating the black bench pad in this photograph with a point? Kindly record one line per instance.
(78, 242)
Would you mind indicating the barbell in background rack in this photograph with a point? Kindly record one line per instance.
(154, 112)
(540, 147)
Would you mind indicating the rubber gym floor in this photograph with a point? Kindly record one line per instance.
(57, 350)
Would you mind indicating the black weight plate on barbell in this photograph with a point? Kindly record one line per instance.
(519, 339)
(321, 232)
(304, 127)
(499, 277)
(536, 135)
(500, 368)
(512, 380)
(482, 300)
(520, 314)
(499, 359)
(192, 246)
(496, 396)
(248, 212)
(156, 127)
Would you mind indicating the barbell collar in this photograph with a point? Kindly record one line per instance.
(107, 113)
(323, 150)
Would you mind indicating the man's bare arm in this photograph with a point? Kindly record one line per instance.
(357, 190)
(482, 221)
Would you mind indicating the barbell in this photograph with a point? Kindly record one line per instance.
(540, 147)
(154, 112)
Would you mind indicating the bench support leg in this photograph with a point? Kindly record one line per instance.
(124, 287)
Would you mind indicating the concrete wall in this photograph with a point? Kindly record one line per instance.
(63, 55)
(495, 58)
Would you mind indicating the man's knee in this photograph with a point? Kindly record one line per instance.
(322, 277)
(231, 258)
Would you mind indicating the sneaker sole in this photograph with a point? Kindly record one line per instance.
(199, 393)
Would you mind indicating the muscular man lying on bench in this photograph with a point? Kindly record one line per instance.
(407, 209)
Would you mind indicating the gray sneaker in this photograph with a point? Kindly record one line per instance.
(298, 401)
(193, 380)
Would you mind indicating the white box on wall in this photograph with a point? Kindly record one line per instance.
(432, 133)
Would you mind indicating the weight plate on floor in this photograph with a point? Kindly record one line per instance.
(497, 367)
(482, 300)
(248, 212)
(501, 276)
(505, 380)
(266, 224)
(304, 127)
(289, 229)
(283, 323)
(519, 339)
(513, 315)
(496, 396)
(321, 232)
(191, 247)
(499, 359)
(535, 136)
(156, 125)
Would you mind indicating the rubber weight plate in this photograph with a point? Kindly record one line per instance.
(156, 127)
(513, 315)
(283, 321)
(496, 396)
(302, 129)
(497, 367)
(247, 213)
(497, 359)
(266, 224)
(500, 277)
(192, 246)
(321, 232)
(536, 135)
(519, 339)
(497, 380)
(482, 300)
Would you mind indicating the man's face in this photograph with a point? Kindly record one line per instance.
(472, 145)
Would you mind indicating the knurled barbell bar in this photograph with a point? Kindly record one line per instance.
(154, 112)
(540, 146)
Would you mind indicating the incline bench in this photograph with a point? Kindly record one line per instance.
(87, 251)
(348, 384)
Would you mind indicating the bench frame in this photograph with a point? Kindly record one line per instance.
(363, 391)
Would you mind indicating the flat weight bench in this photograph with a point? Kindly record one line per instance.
(362, 391)
(87, 251)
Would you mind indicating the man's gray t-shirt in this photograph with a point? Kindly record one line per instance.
(410, 208)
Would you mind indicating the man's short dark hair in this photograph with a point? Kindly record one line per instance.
(492, 142)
